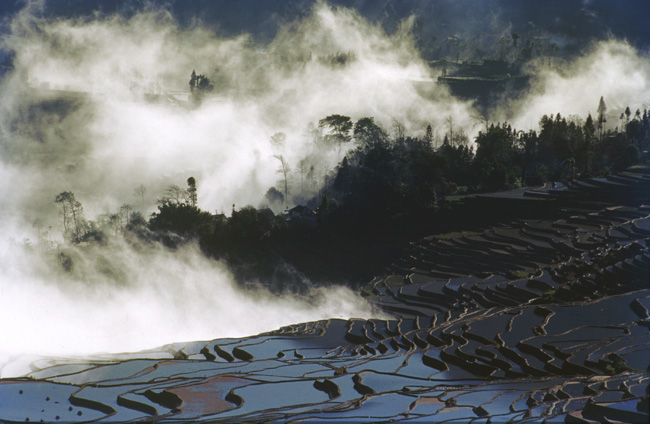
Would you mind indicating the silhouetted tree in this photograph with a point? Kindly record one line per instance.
(191, 191)
(174, 194)
(72, 212)
(428, 135)
(200, 85)
(182, 219)
(369, 134)
(339, 127)
(602, 110)
(284, 170)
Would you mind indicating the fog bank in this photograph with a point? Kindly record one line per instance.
(101, 106)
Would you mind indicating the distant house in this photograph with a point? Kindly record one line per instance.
(301, 216)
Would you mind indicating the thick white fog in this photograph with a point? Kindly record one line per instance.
(124, 299)
(127, 122)
(612, 69)
(122, 140)
(120, 298)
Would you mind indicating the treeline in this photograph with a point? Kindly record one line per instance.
(384, 181)
(394, 180)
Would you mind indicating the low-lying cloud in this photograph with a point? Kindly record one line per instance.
(612, 69)
(100, 106)
(292, 82)
(124, 298)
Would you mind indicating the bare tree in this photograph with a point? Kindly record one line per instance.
(174, 194)
(72, 212)
(140, 191)
(125, 212)
(483, 118)
(284, 170)
(63, 199)
(450, 126)
(303, 166)
(460, 138)
(399, 132)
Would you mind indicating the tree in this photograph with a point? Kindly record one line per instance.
(515, 37)
(278, 139)
(140, 191)
(399, 131)
(459, 138)
(369, 134)
(63, 199)
(200, 85)
(115, 222)
(182, 219)
(191, 191)
(450, 125)
(175, 195)
(602, 110)
(125, 212)
(339, 127)
(72, 212)
(482, 117)
(428, 136)
(284, 170)
(303, 168)
(136, 222)
(496, 144)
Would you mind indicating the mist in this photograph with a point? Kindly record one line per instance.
(612, 69)
(111, 137)
(119, 139)
(125, 298)
(126, 120)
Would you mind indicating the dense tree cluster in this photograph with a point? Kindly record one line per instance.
(387, 179)
(200, 85)
(217, 234)
(383, 180)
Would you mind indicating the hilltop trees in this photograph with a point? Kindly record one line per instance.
(382, 178)
(494, 161)
(339, 127)
(602, 110)
(191, 191)
(284, 171)
(200, 85)
(182, 219)
(385, 180)
(368, 134)
(74, 223)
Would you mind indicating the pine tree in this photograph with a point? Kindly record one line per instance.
(602, 110)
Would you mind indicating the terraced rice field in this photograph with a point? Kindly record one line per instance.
(527, 321)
